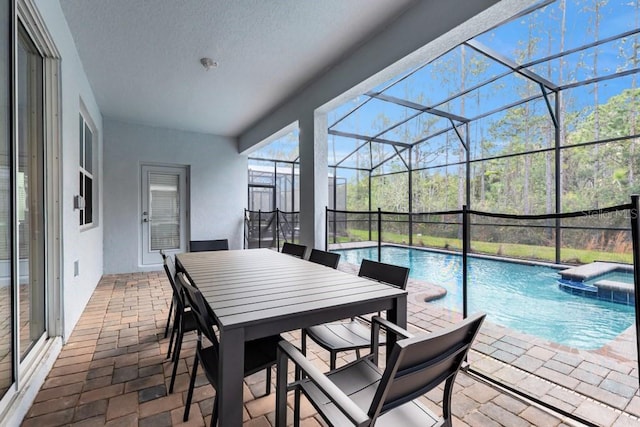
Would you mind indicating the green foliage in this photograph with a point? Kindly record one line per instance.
(616, 176)
(510, 250)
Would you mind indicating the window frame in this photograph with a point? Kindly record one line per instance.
(83, 173)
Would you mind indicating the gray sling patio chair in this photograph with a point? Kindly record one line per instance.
(328, 259)
(259, 354)
(361, 394)
(166, 328)
(208, 245)
(294, 249)
(183, 320)
(342, 336)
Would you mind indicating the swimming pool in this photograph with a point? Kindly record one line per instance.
(519, 296)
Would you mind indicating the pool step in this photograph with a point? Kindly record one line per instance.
(612, 285)
(589, 271)
(605, 290)
(577, 287)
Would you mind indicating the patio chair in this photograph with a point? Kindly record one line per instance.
(293, 249)
(259, 354)
(166, 328)
(183, 320)
(354, 335)
(208, 245)
(328, 259)
(362, 394)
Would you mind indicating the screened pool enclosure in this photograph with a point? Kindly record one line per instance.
(537, 116)
(274, 194)
(521, 143)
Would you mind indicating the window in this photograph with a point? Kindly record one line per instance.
(86, 171)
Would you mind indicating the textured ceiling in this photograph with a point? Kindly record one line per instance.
(142, 57)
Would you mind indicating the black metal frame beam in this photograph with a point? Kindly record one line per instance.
(352, 168)
(418, 107)
(496, 56)
(462, 140)
(367, 138)
(357, 107)
(261, 159)
(537, 151)
(434, 135)
(552, 113)
(388, 159)
(580, 48)
(600, 79)
(506, 107)
(352, 153)
(399, 153)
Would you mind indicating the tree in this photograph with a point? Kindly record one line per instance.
(615, 117)
(630, 57)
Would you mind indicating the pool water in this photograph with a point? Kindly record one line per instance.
(519, 296)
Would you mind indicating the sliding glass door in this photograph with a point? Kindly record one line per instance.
(6, 316)
(22, 202)
(30, 200)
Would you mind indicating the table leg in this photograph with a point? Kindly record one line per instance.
(281, 388)
(397, 315)
(231, 375)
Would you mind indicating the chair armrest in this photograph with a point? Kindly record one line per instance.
(337, 396)
(390, 326)
(376, 323)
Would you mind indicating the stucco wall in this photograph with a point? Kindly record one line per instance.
(218, 187)
(82, 246)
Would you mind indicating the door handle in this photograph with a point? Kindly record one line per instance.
(145, 217)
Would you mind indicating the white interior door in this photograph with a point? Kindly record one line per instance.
(164, 212)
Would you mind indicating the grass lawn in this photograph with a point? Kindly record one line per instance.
(541, 253)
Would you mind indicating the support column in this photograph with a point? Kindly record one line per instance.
(314, 181)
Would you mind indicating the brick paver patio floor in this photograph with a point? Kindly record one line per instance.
(112, 371)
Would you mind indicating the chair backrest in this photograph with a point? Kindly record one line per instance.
(170, 269)
(200, 309)
(328, 259)
(419, 364)
(387, 273)
(208, 245)
(293, 249)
